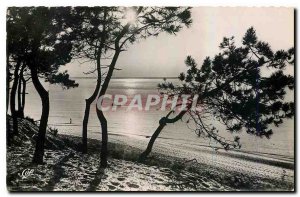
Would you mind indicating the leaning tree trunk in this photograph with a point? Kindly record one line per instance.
(40, 140)
(104, 149)
(100, 115)
(162, 123)
(144, 155)
(88, 103)
(13, 99)
(92, 98)
(85, 121)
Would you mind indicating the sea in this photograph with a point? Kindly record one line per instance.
(67, 109)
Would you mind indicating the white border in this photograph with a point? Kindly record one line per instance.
(4, 4)
(289, 3)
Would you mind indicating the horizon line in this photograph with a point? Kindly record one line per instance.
(128, 77)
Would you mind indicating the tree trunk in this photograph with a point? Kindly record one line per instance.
(162, 123)
(40, 140)
(84, 125)
(8, 133)
(88, 103)
(104, 149)
(7, 87)
(101, 117)
(90, 100)
(144, 155)
(19, 95)
(23, 93)
(13, 99)
(20, 112)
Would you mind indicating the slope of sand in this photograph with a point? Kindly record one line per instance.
(273, 167)
(67, 170)
(254, 164)
(171, 167)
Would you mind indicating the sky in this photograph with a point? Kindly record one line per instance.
(164, 56)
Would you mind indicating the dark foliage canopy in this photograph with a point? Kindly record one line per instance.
(242, 87)
(38, 38)
(88, 24)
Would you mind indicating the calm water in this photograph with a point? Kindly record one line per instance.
(66, 104)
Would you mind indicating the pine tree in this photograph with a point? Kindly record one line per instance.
(243, 88)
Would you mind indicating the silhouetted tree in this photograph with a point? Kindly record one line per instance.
(243, 87)
(38, 38)
(24, 78)
(93, 32)
(20, 108)
(18, 88)
(136, 23)
(13, 97)
(15, 48)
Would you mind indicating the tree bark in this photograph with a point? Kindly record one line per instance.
(19, 94)
(7, 83)
(8, 77)
(162, 123)
(23, 93)
(84, 125)
(100, 115)
(144, 154)
(13, 99)
(20, 112)
(40, 140)
(104, 149)
(89, 101)
(85, 121)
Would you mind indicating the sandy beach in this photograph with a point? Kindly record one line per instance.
(66, 169)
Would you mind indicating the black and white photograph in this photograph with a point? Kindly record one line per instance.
(150, 98)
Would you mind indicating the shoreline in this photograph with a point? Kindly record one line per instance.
(127, 152)
(259, 157)
(67, 169)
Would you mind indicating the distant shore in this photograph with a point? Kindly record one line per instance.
(127, 77)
